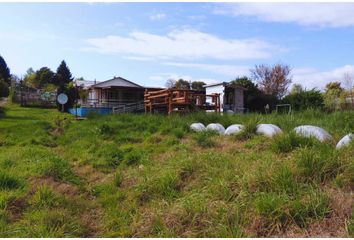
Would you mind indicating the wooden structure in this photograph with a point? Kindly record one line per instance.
(231, 96)
(179, 100)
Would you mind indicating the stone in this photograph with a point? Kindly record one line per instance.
(217, 127)
(345, 141)
(313, 131)
(269, 130)
(234, 129)
(197, 127)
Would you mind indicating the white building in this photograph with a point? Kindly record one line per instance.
(231, 96)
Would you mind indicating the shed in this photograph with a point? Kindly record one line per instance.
(231, 96)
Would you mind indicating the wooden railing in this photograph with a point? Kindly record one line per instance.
(179, 100)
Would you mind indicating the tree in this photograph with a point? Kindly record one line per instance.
(198, 85)
(64, 80)
(302, 100)
(4, 88)
(332, 95)
(182, 84)
(296, 89)
(245, 82)
(30, 78)
(273, 80)
(349, 85)
(254, 99)
(44, 76)
(63, 75)
(170, 83)
(5, 74)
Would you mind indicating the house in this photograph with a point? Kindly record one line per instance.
(115, 92)
(231, 96)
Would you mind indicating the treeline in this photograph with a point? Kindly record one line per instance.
(60, 81)
(269, 85)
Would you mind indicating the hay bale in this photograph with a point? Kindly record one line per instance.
(197, 127)
(268, 130)
(345, 140)
(234, 129)
(217, 127)
(313, 131)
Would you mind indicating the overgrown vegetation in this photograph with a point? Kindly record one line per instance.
(149, 175)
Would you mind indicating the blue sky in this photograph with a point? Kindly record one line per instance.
(149, 43)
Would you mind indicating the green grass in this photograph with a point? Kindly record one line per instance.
(151, 176)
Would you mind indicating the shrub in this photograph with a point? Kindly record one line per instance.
(271, 206)
(118, 178)
(284, 143)
(59, 169)
(249, 130)
(105, 130)
(8, 181)
(318, 164)
(178, 133)
(204, 139)
(311, 205)
(132, 156)
(45, 197)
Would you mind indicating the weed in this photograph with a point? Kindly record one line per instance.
(118, 178)
(8, 181)
(59, 169)
(205, 139)
(45, 197)
(284, 143)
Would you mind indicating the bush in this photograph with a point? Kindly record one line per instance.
(303, 100)
(318, 164)
(8, 181)
(285, 143)
(249, 130)
(4, 89)
(118, 178)
(45, 197)
(312, 205)
(59, 169)
(204, 139)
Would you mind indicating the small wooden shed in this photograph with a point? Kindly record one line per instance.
(231, 96)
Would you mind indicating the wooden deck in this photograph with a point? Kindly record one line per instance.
(178, 100)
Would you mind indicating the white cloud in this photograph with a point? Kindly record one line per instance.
(158, 16)
(310, 77)
(308, 14)
(228, 70)
(181, 44)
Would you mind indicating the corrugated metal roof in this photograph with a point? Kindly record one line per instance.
(116, 82)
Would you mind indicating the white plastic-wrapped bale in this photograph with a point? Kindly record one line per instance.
(217, 127)
(234, 129)
(268, 130)
(313, 131)
(345, 140)
(197, 127)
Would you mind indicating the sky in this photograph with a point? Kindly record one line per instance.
(149, 43)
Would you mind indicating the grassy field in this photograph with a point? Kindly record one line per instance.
(149, 175)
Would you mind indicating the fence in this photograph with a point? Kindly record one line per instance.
(27, 96)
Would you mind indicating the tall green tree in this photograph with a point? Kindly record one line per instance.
(44, 76)
(332, 95)
(183, 84)
(64, 80)
(4, 88)
(198, 85)
(63, 75)
(5, 74)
